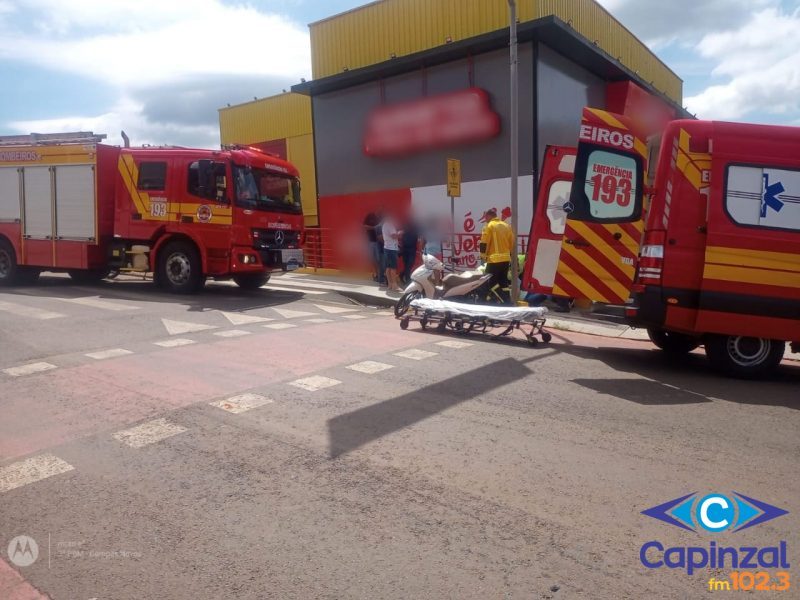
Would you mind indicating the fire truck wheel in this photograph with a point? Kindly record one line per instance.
(179, 268)
(672, 342)
(744, 357)
(251, 282)
(10, 272)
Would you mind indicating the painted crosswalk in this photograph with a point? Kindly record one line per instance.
(28, 369)
(97, 302)
(30, 312)
(242, 403)
(148, 433)
(31, 470)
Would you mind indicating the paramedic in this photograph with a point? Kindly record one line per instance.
(497, 241)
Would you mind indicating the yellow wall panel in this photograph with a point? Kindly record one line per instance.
(300, 152)
(370, 34)
(277, 117)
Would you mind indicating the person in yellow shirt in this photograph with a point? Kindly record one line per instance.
(497, 242)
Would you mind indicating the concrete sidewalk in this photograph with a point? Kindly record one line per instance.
(369, 293)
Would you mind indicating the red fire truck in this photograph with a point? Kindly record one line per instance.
(71, 204)
(697, 230)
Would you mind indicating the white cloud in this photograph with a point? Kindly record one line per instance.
(127, 115)
(661, 22)
(761, 62)
(147, 42)
(183, 51)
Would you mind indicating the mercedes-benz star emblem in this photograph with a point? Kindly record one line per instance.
(279, 238)
(568, 207)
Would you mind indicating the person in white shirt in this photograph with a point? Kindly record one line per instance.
(391, 246)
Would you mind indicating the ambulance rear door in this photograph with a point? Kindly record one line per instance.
(549, 221)
(605, 211)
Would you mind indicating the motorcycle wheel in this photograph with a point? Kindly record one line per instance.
(404, 303)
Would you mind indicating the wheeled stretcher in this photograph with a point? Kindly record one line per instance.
(480, 318)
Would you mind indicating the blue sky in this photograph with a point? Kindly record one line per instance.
(160, 68)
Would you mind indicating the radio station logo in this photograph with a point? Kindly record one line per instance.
(715, 514)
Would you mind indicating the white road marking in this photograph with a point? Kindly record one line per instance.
(279, 326)
(454, 344)
(335, 310)
(104, 354)
(232, 333)
(174, 343)
(314, 383)
(385, 313)
(178, 327)
(243, 319)
(415, 354)
(291, 314)
(278, 288)
(96, 302)
(30, 312)
(370, 367)
(318, 320)
(242, 403)
(148, 433)
(353, 317)
(31, 470)
(28, 369)
(296, 281)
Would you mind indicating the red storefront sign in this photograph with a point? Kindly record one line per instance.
(451, 119)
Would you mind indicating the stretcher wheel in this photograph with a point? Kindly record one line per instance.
(404, 323)
(546, 337)
(424, 322)
(441, 326)
(532, 340)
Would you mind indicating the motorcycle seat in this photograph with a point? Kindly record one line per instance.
(454, 279)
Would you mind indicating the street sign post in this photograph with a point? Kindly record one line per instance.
(454, 191)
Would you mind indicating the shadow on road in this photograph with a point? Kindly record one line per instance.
(685, 380)
(352, 430)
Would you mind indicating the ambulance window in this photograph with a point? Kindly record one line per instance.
(557, 197)
(152, 176)
(763, 196)
(611, 185)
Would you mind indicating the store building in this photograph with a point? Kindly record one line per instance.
(400, 86)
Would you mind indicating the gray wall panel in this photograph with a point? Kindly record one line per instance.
(564, 89)
(339, 119)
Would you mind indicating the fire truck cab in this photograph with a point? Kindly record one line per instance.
(69, 203)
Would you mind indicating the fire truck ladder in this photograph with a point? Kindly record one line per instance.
(52, 139)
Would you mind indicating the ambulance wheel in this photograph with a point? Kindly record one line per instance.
(672, 342)
(179, 268)
(251, 282)
(404, 323)
(93, 276)
(546, 337)
(744, 357)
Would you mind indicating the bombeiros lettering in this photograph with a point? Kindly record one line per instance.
(590, 133)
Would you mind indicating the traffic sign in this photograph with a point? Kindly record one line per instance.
(454, 177)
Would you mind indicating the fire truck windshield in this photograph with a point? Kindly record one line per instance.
(258, 189)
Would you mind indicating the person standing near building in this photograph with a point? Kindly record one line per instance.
(391, 246)
(497, 242)
(370, 223)
(409, 247)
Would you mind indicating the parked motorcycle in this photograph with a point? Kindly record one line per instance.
(428, 281)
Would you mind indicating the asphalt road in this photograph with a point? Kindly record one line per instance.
(291, 444)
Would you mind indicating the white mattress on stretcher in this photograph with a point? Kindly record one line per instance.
(504, 313)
